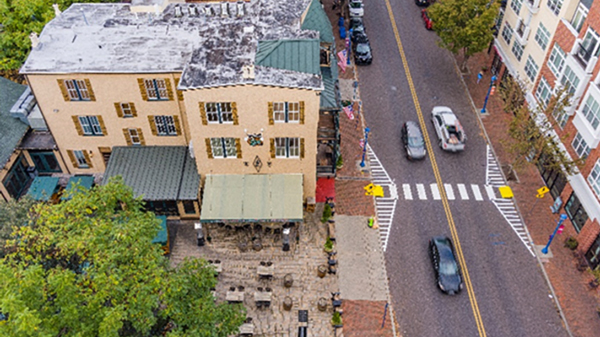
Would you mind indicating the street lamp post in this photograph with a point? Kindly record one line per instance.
(563, 217)
(488, 93)
(362, 162)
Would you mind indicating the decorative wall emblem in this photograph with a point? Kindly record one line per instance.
(254, 139)
(257, 163)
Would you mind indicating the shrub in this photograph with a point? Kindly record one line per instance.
(328, 247)
(336, 320)
(571, 243)
(326, 213)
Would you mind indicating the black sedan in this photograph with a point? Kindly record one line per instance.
(422, 3)
(357, 28)
(362, 51)
(447, 271)
(414, 144)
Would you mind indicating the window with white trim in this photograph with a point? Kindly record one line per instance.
(287, 147)
(543, 93)
(80, 157)
(165, 125)
(594, 178)
(90, 125)
(507, 33)
(134, 136)
(580, 146)
(516, 5)
(517, 50)
(560, 116)
(542, 36)
(219, 113)
(77, 90)
(579, 17)
(223, 147)
(570, 80)
(531, 68)
(556, 61)
(156, 89)
(591, 111)
(555, 6)
(286, 112)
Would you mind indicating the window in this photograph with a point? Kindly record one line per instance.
(593, 254)
(126, 108)
(588, 47)
(560, 116)
(576, 212)
(542, 36)
(45, 161)
(287, 147)
(81, 159)
(156, 89)
(134, 136)
(543, 92)
(188, 207)
(90, 125)
(580, 146)
(221, 113)
(517, 49)
(286, 112)
(591, 111)
(223, 147)
(579, 17)
(594, 178)
(165, 126)
(555, 5)
(76, 90)
(507, 33)
(531, 68)
(17, 178)
(556, 61)
(516, 5)
(570, 80)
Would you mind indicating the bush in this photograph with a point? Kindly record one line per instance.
(326, 213)
(571, 243)
(340, 162)
(328, 247)
(336, 320)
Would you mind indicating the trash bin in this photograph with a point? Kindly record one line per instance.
(286, 239)
(199, 234)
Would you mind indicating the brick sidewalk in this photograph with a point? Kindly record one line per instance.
(578, 302)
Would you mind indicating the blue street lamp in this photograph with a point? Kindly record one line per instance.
(488, 93)
(563, 217)
(362, 162)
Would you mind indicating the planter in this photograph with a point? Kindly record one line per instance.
(336, 320)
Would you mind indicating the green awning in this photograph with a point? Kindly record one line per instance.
(161, 237)
(42, 188)
(82, 183)
(252, 198)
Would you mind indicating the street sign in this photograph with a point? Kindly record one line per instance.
(541, 192)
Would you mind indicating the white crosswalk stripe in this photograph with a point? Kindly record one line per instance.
(385, 206)
(421, 192)
(495, 179)
(462, 190)
(449, 191)
(407, 191)
(490, 192)
(435, 191)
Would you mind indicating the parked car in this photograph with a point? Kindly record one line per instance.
(423, 3)
(447, 271)
(426, 19)
(413, 140)
(356, 8)
(362, 51)
(358, 28)
(450, 133)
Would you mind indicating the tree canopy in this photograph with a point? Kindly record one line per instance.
(87, 267)
(19, 19)
(464, 25)
(13, 214)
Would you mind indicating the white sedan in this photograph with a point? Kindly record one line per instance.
(356, 8)
(450, 133)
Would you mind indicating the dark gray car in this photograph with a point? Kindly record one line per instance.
(414, 144)
(447, 271)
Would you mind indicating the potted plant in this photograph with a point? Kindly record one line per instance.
(571, 243)
(339, 162)
(328, 247)
(336, 320)
(326, 213)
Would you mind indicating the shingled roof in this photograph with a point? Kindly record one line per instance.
(12, 129)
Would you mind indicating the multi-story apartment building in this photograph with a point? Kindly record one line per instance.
(563, 54)
(174, 97)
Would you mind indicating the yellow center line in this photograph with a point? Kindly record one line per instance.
(438, 179)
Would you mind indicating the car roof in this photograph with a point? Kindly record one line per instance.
(412, 128)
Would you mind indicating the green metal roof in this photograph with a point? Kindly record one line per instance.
(328, 99)
(82, 183)
(255, 197)
(316, 19)
(12, 129)
(155, 172)
(42, 188)
(296, 55)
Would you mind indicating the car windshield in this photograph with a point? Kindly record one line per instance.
(362, 48)
(355, 4)
(415, 141)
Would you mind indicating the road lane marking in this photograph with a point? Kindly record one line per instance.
(476, 192)
(449, 191)
(462, 190)
(435, 191)
(490, 192)
(458, 248)
(407, 192)
(421, 192)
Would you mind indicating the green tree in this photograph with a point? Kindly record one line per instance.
(87, 267)
(19, 19)
(531, 130)
(464, 25)
(13, 214)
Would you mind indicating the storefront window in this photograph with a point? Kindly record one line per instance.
(593, 254)
(576, 212)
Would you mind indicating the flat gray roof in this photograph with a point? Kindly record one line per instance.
(208, 47)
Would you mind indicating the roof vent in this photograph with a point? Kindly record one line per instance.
(209, 11)
(56, 10)
(240, 9)
(248, 30)
(35, 40)
(178, 12)
(193, 10)
(248, 71)
(224, 9)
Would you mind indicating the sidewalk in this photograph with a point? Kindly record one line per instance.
(577, 301)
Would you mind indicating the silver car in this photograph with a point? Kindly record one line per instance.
(450, 133)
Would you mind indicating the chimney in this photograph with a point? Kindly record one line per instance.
(35, 40)
(178, 12)
(248, 72)
(56, 10)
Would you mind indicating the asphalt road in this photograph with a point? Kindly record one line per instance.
(510, 297)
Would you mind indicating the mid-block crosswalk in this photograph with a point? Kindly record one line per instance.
(453, 192)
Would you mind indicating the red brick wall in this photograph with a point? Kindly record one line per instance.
(588, 235)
